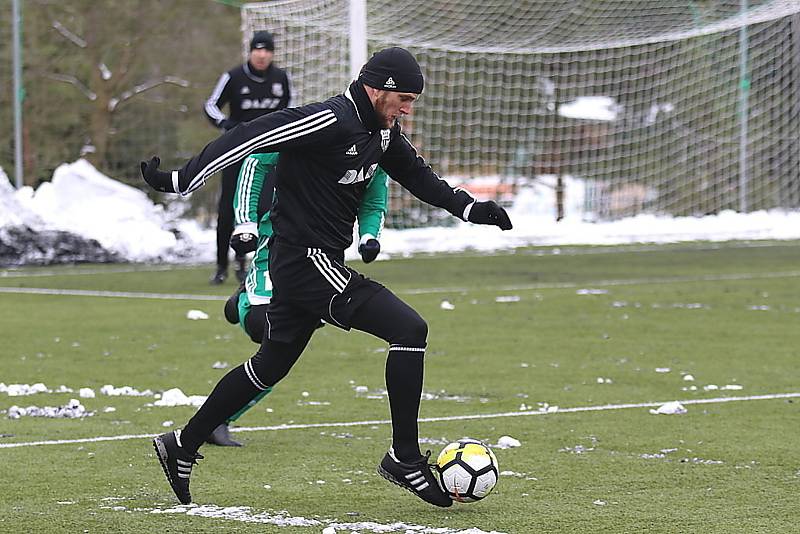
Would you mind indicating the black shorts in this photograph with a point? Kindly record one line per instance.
(309, 284)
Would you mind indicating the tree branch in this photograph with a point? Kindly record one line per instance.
(146, 86)
(72, 80)
(71, 37)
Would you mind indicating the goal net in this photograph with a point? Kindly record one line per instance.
(668, 107)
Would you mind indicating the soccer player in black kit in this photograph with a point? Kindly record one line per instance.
(249, 90)
(329, 152)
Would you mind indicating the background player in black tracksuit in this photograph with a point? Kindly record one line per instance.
(250, 90)
(329, 153)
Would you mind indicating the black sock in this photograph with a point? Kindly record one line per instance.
(404, 371)
(230, 395)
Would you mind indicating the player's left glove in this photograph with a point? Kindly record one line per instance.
(244, 238)
(489, 213)
(369, 249)
(155, 178)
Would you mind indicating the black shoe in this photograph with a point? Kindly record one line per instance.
(241, 269)
(219, 277)
(231, 309)
(221, 436)
(176, 462)
(416, 477)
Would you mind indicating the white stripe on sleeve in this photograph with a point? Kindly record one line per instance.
(286, 132)
(211, 107)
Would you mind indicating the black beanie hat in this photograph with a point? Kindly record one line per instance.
(262, 39)
(393, 69)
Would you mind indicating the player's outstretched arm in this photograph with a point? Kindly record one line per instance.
(285, 129)
(405, 166)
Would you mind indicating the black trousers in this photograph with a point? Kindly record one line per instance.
(225, 213)
(381, 314)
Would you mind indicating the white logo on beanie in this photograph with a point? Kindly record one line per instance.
(390, 84)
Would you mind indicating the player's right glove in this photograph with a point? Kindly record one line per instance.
(244, 238)
(369, 248)
(155, 178)
(489, 212)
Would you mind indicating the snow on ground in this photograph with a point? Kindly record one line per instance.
(284, 519)
(82, 201)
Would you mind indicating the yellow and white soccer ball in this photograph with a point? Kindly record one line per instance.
(468, 470)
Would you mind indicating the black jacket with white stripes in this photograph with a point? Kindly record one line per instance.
(248, 94)
(329, 153)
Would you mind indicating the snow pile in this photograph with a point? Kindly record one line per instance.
(12, 211)
(28, 239)
(83, 201)
(73, 409)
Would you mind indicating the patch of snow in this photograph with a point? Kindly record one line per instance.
(72, 410)
(669, 408)
(284, 519)
(507, 442)
(124, 391)
(591, 291)
(176, 397)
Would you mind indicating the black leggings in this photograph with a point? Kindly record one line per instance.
(384, 316)
(389, 318)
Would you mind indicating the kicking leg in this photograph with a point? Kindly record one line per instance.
(386, 316)
(391, 319)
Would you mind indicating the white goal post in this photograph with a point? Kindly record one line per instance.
(669, 107)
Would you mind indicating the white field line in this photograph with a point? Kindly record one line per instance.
(424, 290)
(346, 424)
(112, 294)
(623, 282)
(122, 269)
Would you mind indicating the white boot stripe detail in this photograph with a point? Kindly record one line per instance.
(415, 474)
(423, 487)
(418, 481)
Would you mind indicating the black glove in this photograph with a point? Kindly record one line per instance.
(243, 243)
(158, 180)
(489, 213)
(369, 249)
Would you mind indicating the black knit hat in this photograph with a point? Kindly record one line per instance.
(262, 39)
(393, 69)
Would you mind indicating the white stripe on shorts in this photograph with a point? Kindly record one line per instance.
(321, 261)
